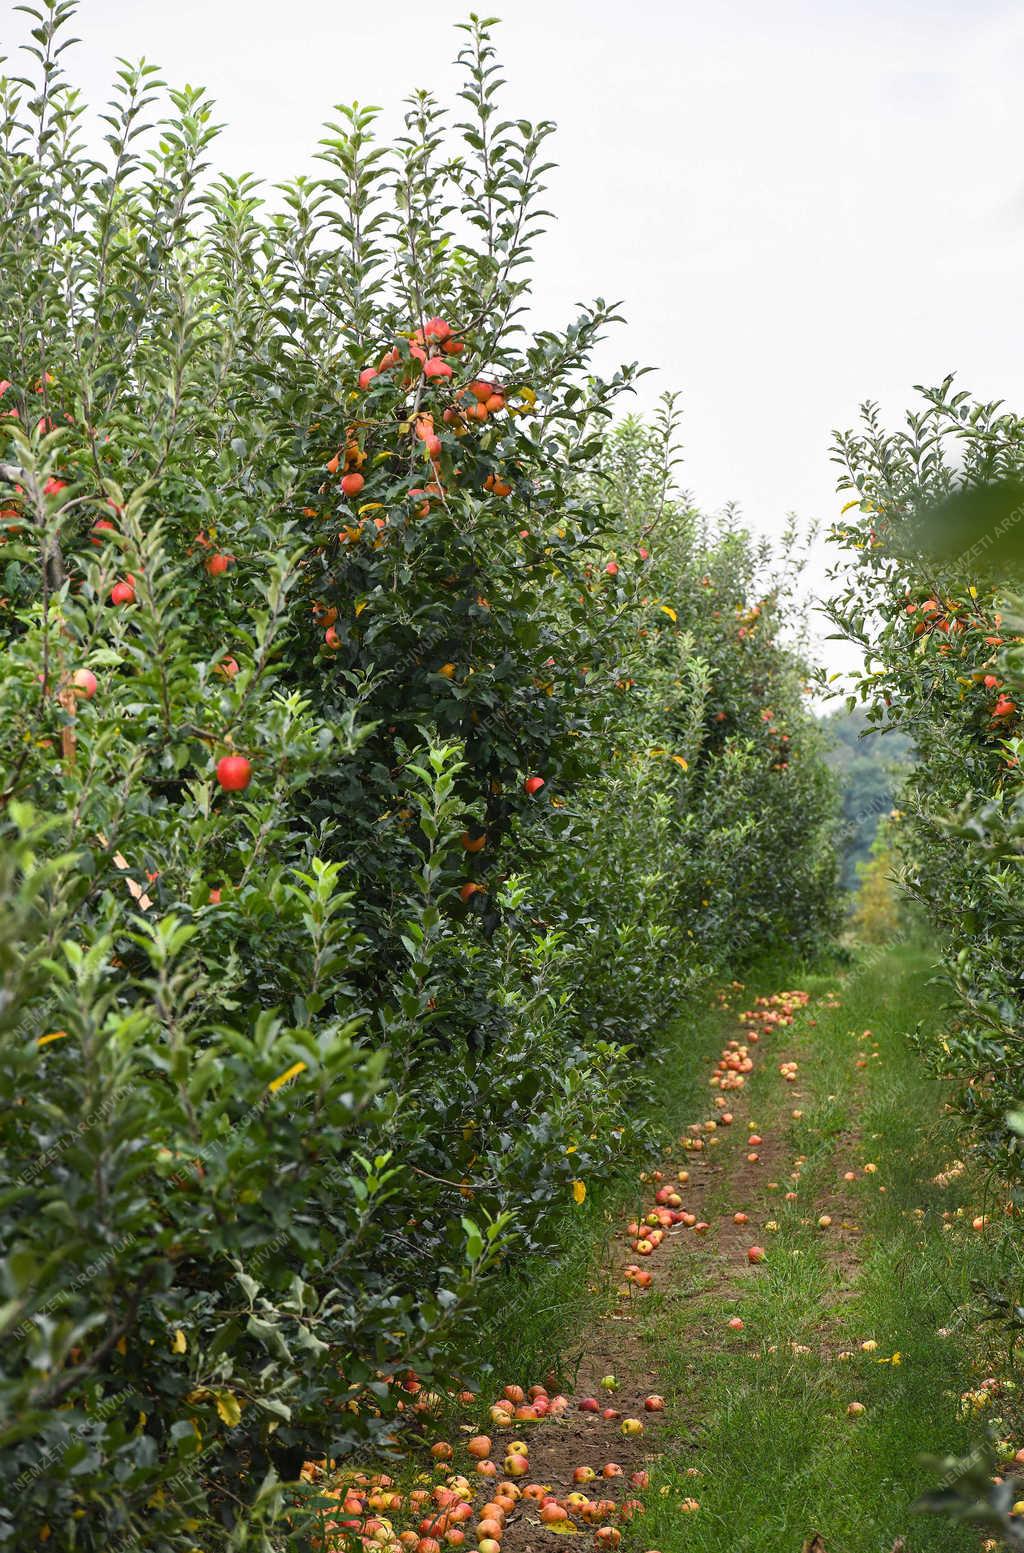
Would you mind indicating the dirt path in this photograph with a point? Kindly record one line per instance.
(714, 1173)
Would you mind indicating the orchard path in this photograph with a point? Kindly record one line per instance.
(799, 1387)
(727, 1163)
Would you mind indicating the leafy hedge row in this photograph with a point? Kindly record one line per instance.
(932, 594)
(386, 747)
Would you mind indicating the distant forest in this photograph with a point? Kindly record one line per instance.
(870, 767)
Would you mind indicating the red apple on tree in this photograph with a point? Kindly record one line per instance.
(84, 682)
(234, 773)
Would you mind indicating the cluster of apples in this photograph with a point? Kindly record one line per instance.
(446, 1515)
(775, 1011)
(733, 1065)
(472, 404)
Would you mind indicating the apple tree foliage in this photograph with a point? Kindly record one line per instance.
(930, 588)
(290, 1070)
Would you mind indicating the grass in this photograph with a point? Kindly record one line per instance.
(767, 1432)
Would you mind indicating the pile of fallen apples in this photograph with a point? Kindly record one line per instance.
(445, 1515)
(736, 1061)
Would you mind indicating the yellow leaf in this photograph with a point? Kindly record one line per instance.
(849, 504)
(58, 1035)
(228, 1409)
(579, 1191)
(683, 764)
(122, 1346)
(669, 612)
(360, 607)
(286, 1077)
(179, 1342)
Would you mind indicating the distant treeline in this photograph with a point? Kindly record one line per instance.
(870, 766)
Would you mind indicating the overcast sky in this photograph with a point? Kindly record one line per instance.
(800, 204)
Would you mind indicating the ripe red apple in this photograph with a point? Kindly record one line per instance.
(612, 568)
(84, 683)
(99, 526)
(654, 1403)
(583, 1475)
(234, 773)
(756, 1254)
(735, 1323)
(437, 367)
(122, 593)
(366, 377)
(217, 565)
(532, 784)
(740, 1218)
(352, 484)
(479, 1446)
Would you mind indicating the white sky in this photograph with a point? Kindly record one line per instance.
(801, 204)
